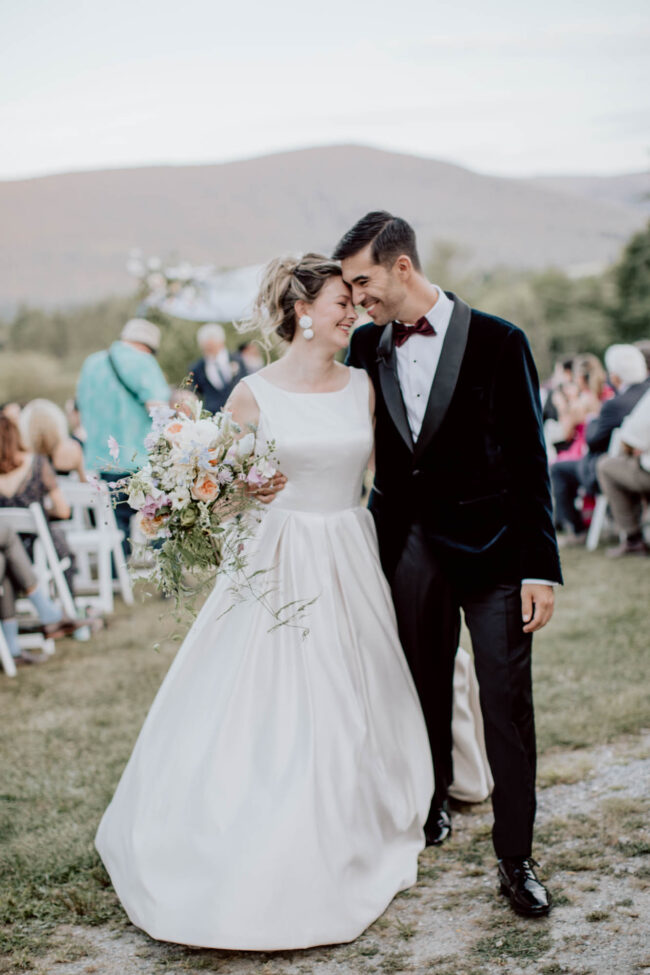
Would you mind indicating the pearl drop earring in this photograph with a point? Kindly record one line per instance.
(306, 323)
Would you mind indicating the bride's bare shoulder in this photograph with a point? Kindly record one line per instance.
(242, 404)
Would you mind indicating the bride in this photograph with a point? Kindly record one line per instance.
(277, 793)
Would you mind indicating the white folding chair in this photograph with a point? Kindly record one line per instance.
(48, 567)
(6, 659)
(600, 508)
(94, 544)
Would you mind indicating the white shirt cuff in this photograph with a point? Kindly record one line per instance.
(540, 582)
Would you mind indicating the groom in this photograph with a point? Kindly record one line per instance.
(463, 512)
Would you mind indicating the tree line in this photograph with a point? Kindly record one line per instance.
(43, 350)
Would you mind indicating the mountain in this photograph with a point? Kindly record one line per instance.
(65, 238)
(629, 190)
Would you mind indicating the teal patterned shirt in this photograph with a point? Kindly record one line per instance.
(109, 410)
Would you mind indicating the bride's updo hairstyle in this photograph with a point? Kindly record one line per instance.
(286, 281)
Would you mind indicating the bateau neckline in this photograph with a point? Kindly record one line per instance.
(294, 392)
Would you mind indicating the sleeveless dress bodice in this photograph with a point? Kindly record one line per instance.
(322, 442)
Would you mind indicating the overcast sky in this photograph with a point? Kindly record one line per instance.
(494, 85)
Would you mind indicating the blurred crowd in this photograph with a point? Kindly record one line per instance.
(99, 436)
(597, 428)
(596, 423)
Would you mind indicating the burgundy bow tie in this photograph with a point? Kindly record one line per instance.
(402, 332)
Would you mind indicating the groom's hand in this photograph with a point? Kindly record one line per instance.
(537, 603)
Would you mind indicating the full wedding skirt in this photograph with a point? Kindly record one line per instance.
(276, 795)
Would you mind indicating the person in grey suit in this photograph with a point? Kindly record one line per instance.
(215, 375)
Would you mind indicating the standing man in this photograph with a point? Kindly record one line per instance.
(216, 374)
(463, 511)
(116, 390)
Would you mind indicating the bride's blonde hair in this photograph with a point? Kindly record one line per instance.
(286, 281)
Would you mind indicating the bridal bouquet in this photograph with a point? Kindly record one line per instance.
(192, 495)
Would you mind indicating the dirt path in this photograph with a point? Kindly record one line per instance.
(593, 839)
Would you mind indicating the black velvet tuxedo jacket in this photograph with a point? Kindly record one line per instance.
(215, 399)
(477, 478)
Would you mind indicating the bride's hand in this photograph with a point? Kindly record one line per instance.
(267, 493)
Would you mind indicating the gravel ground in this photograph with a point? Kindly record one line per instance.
(594, 844)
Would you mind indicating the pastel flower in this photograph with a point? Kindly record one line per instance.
(174, 430)
(256, 478)
(205, 488)
(224, 475)
(153, 503)
(137, 499)
(241, 449)
(151, 527)
(179, 497)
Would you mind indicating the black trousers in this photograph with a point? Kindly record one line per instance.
(428, 614)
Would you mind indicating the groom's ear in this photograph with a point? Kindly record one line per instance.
(403, 266)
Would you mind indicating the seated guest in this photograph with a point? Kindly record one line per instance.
(26, 478)
(12, 410)
(44, 430)
(579, 401)
(628, 376)
(215, 375)
(16, 577)
(625, 480)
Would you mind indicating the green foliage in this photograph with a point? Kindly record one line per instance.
(69, 333)
(560, 315)
(631, 313)
(43, 350)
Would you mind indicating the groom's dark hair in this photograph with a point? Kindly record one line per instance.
(390, 237)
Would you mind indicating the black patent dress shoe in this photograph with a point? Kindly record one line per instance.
(519, 883)
(437, 828)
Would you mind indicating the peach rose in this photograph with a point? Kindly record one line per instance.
(151, 526)
(173, 430)
(205, 488)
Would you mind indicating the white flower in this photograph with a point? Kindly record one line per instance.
(179, 497)
(137, 499)
(241, 449)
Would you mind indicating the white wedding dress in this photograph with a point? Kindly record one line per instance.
(276, 795)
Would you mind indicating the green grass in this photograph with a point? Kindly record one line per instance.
(592, 663)
(70, 727)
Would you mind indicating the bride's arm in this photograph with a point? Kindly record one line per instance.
(243, 406)
(246, 413)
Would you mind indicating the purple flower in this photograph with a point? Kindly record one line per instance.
(151, 505)
(224, 475)
(256, 478)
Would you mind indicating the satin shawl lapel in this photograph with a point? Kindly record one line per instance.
(390, 385)
(446, 377)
